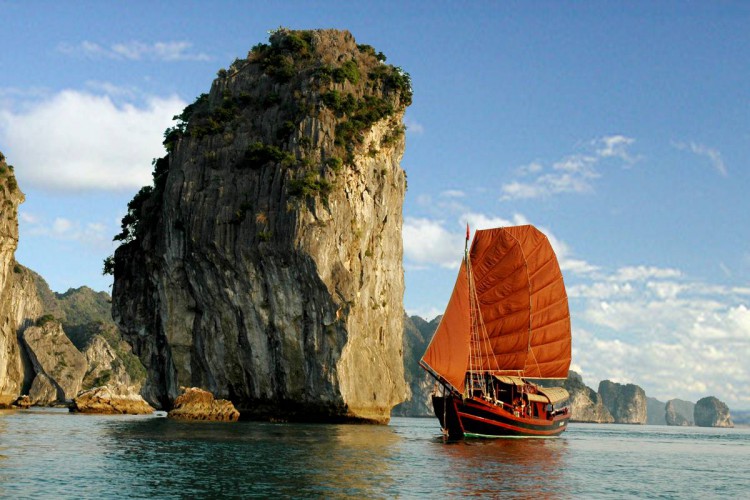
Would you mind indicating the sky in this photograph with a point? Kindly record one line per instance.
(620, 129)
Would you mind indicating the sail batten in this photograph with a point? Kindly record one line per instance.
(521, 302)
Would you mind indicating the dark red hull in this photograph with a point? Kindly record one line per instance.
(475, 417)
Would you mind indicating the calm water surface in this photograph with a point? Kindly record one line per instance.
(50, 453)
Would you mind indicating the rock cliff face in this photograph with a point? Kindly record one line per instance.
(265, 263)
(586, 405)
(19, 305)
(55, 357)
(655, 412)
(47, 368)
(626, 403)
(43, 391)
(417, 335)
(710, 412)
(86, 318)
(105, 367)
(679, 412)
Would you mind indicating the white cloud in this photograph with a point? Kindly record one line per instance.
(518, 191)
(576, 266)
(573, 174)
(531, 168)
(427, 242)
(615, 146)
(642, 273)
(90, 234)
(656, 327)
(713, 155)
(27, 218)
(413, 126)
(135, 51)
(482, 221)
(600, 290)
(75, 141)
(453, 193)
(427, 314)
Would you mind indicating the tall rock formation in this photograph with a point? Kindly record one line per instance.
(586, 404)
(626, 403)
(679, 412)
(55, 357)
(655, 412)
(19, 306)
(265, 263)
(417, 335)
(105, 366)
(86, 318)
(710, 412)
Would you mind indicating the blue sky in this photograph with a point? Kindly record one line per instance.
(620, 128)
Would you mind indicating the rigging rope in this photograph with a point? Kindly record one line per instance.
(479, 337)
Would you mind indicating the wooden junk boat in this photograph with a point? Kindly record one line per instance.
(507, 321)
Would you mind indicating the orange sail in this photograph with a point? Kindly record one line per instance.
(448, 352)
(521, 321)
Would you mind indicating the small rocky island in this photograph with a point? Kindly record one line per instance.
(264, 264)
(710, 412)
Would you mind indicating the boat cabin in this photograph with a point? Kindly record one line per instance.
(521, 398)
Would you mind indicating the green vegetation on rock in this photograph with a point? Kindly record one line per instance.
(311, 185)
(259, 154)
(253, 119)
(85, 313)
(6, 175)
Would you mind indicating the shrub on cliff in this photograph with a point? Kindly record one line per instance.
(305, 74)
(258, 154)
(43, 320)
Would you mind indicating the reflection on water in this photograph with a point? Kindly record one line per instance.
(53, 454)
(253, 458)
(527, 467)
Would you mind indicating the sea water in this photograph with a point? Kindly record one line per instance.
(53, 454)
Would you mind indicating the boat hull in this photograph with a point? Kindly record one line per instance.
(475, 417)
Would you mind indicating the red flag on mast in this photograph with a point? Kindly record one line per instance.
(467, 231)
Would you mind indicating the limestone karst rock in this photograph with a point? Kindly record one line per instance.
(417, 335)
(53, 355)
(43, 391)
(710, 412)
(679, 412)
(655, 411)
(86, 318)
(586, 405)
(106, 367)
(111, 400)
(25, 297)
(197, 404)
(23, 402)
(265, 263)
(19, 306)
(626, 402)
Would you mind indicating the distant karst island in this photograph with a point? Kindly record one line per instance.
(611, 403)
